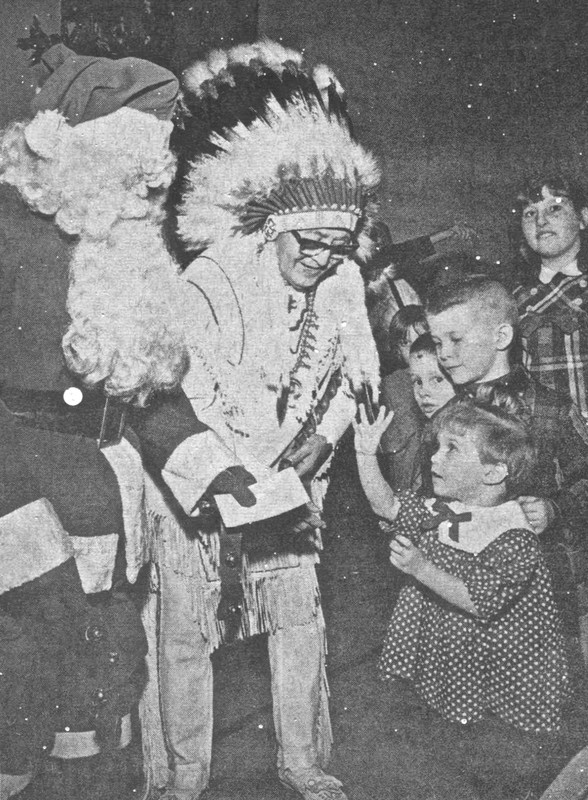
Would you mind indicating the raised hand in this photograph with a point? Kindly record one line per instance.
(368, 435)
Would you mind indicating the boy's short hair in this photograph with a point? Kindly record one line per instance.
(491, 295)
(424, 344)
(504, 436)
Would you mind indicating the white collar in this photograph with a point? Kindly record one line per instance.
(547, 274)
(487, 524)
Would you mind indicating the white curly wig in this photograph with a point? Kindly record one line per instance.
(105, 182)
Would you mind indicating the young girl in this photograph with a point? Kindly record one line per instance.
(475, 630)
(548, 234)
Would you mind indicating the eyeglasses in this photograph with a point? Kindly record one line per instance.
(314, 246)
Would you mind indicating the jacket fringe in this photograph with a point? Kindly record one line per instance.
(280, 590)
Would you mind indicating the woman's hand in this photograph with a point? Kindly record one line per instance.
(406, 557)
(368, 435)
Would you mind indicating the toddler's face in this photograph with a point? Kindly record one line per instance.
(466, 343)
(431, 388)
(456, 468)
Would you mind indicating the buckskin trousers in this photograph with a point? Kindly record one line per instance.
(298, 684)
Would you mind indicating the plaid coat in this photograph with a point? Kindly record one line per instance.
(554, 331)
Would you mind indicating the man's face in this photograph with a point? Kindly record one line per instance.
(466, 341)
(456, 468)
(431, 388)
(304, 257)
(552, 227)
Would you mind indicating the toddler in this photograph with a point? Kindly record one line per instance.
(431, 388)
(475, 630)
(401, 442)
(409, 466)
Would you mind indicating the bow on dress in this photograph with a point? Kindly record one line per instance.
(443, 513)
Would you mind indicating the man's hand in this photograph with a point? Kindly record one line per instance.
(300, 526)
(309, 457)
(307, 520)
(235, 481)
(405, 556)
(539, 512)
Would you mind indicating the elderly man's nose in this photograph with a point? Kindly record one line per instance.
(322, 258)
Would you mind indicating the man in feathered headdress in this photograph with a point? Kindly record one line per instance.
(274, 315)
(88, 331)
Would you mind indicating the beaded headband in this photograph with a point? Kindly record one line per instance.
(320, 202)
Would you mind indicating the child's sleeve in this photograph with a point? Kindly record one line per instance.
(572, 456)
(412, 514)
(502, 571)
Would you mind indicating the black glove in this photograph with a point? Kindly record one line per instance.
(235, 481)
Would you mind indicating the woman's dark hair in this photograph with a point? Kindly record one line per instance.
(526, 262)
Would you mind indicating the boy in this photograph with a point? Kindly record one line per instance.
(473, 325)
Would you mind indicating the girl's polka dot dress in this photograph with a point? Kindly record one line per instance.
(508, 661)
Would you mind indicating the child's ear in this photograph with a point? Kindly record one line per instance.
(583, 218)
(495, 474)
(504, 336)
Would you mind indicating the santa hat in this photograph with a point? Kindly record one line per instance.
(83, 88)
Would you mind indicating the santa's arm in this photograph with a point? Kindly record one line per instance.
(187, 454)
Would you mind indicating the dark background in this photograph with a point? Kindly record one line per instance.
(458, 99)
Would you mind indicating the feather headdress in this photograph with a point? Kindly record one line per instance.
(295, 168)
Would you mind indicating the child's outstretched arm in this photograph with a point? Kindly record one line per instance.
(367, 438)
(409, 559)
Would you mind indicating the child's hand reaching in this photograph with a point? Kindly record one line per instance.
(368, 435)
(406, 557)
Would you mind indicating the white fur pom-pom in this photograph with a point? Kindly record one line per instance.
(45, 133)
